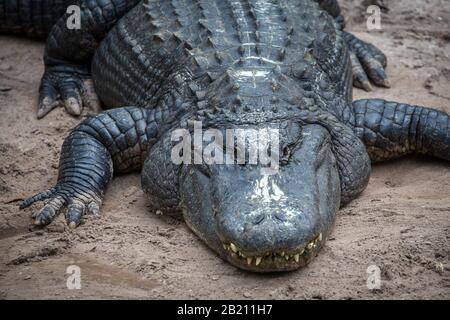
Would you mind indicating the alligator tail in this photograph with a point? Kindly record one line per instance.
(391, 129)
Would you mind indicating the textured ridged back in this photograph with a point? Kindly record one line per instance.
(224, 54)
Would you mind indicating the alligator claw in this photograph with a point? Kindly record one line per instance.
(73, 105)
(78, 204)
(360, 79)
(69, 89)
(368, 64)
(74, 214)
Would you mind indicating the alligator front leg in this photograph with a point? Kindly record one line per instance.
(118, 138)
(69, 51)
(390, 129)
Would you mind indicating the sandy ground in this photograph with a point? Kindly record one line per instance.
(401, 223)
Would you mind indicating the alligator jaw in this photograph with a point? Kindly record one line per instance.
(273, 261)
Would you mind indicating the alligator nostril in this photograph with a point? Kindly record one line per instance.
(280, 216)
(258, 219)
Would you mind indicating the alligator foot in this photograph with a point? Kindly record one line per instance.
(368, 63)
(85, 167)
(77, 201)
(69, 52)
(67, 86)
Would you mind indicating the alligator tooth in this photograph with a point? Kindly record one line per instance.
(258, 260)
(286, 257)
(225, 247)
(310, 245)
(297, 257)
(303, 250)
(233, 248)
(249, 260)
(282, 254)
(320, 237)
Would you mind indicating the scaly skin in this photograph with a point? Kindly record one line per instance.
(391, 130)
(118, 138)
(30, 17)
(68, 54)
(231, 64)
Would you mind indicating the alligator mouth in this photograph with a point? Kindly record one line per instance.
(273, 260)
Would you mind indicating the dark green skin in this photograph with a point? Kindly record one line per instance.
(229, 64)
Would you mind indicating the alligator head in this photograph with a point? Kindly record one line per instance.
(267, 222)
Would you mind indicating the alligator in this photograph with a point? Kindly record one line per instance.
(168, 65)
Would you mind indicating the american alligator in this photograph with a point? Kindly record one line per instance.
(227, 64)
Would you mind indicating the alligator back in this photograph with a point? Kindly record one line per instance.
(224, 52)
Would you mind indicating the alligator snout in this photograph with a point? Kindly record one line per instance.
(267, 222)
(274, 236)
